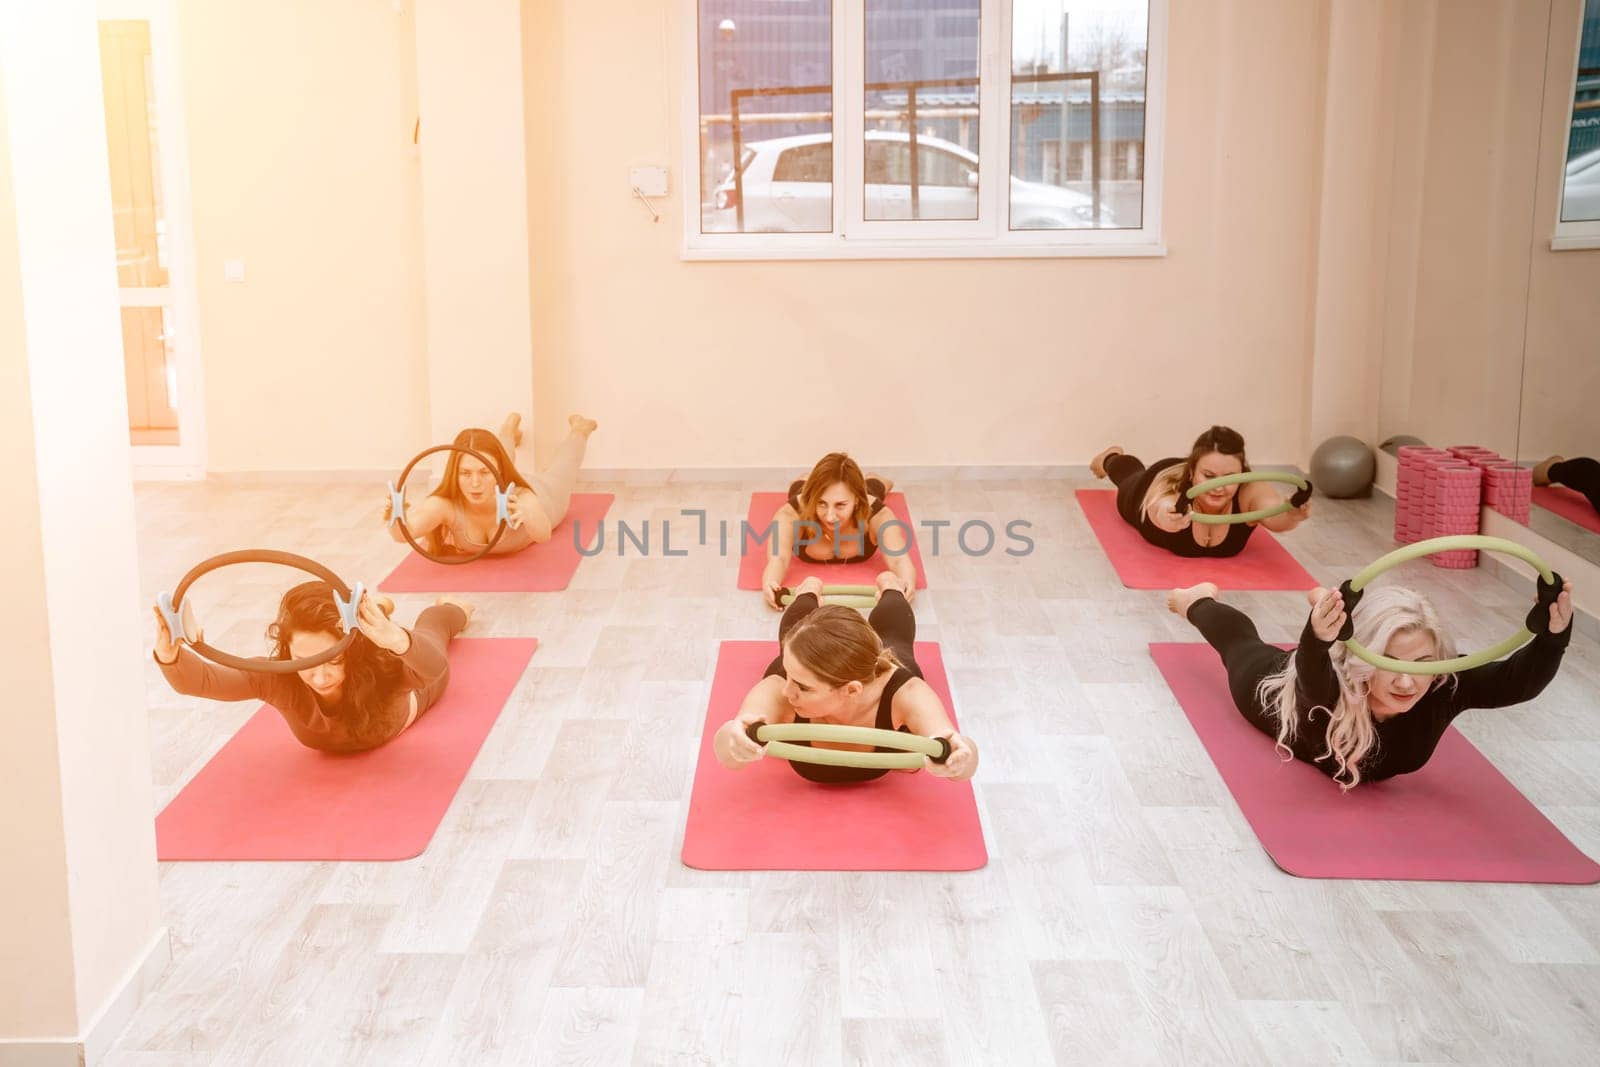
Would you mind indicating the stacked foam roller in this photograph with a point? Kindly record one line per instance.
(1507, 488)
(1438, 493)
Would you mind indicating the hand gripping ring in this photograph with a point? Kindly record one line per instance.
(1302, 486)
(909, 748)
(502, 496)
(181, 622)
(1550, 584)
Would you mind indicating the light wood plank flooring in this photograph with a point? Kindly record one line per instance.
(1127, 914)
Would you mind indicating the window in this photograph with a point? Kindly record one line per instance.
(1578, 222)
(911, 128)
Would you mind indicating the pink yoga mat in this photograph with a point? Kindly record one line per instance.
(264, 796)
(768, 818)
(1264, 563)
(1569, 504)
(1455, 820)
(536, 569)
(763, 506)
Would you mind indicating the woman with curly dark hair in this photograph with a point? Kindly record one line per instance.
(361, 699)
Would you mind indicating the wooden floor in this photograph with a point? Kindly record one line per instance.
(1127, 914)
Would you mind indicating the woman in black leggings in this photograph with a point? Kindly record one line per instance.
(836, 667)
(1580, 473)
(1153, 499)
(1345, 717)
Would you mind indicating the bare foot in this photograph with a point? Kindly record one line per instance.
(466, 607)
(1097, 465)
(511, 429)
(1541, 471)
(581, 424)
(1179, 601)
(888, 483)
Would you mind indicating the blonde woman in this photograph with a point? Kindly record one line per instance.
(836, 667)
(1345, 717)
(1152, 499)
(837, 515)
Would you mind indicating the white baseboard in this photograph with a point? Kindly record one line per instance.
(320, 477)
(91, 1048)
(901, 473)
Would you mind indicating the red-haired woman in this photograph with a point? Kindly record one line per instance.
(460, 514)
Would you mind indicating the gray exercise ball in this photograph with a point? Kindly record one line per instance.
(1343, 466)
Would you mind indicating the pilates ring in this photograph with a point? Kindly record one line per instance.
(910, 747)
(397, 503)
(1302, 494)
(863, 597)
(179, 616)
(1549, 588)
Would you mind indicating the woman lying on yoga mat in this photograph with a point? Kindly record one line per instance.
(364, 698)
(841, 516)
(1153, 499)
(1345, 717)
(459, 515)
(836, 667)
(1580, 473)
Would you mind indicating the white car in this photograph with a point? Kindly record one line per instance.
(787, 186)
(1580, 196)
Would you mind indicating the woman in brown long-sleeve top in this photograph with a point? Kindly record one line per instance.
(363, 698)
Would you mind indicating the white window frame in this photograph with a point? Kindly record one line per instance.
(1571, 236)
(988, 237)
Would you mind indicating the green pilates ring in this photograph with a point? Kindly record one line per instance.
(1239, 479)
(1457, 542)
(911, 747)
(863, 597)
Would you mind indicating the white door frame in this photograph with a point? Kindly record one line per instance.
(186, 460)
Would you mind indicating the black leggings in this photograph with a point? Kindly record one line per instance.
(1582, 474)
(1133, 480)
(1248, 659)
(892, 619)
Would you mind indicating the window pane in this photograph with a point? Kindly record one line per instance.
(1077, 113)
(137, 212)
(1580, 192)
(766, 98)
(922, 88)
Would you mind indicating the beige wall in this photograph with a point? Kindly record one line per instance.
(1347, 200)
(79, 910)
(300, 115)
(474, 219)
(1031, 361)
(1353, 208)
(1466, 129)
(1561, 371)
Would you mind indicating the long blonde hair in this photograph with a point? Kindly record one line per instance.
(1178, 479)
(1383, 613)
(837, 645)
